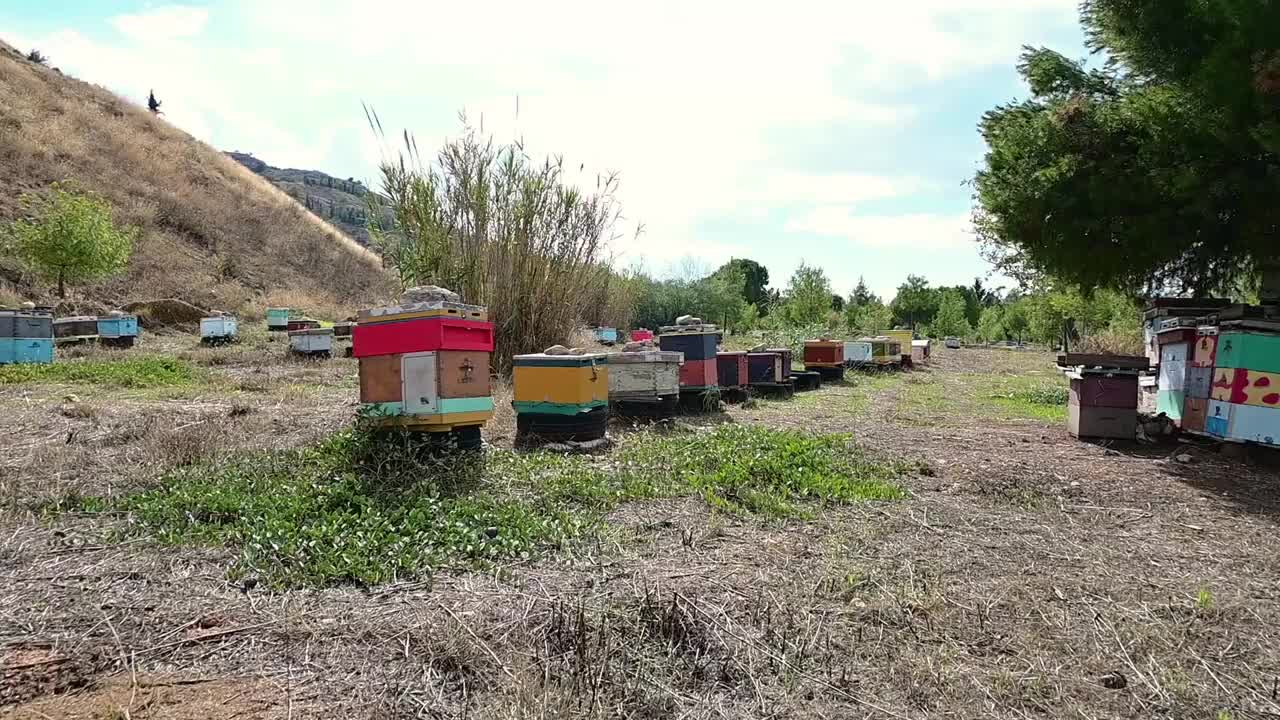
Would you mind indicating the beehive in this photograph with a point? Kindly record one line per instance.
(641, 335)
(560, 397)
(904, 339)
(765, 368)
(1244, 402)
(732, 370)
(697, 343)
(921, 350)
(1176, 341)
(314, 342)
(118, 330)
(425, 366)
(857, 353)
(81, 328)
(278, 319)
(606, 335)
(1103, 404)
(219, 329)
(824, 356)
(645, 382)
(301, 324)
(787, 364)
(885, 351)
(25, 337)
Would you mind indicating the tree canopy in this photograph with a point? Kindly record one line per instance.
(754, 280)
(70, 236)
(808, 296)
(1158, 169)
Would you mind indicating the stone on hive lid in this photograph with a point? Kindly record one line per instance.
(577, 351)
(429, 293)
(115, 314)
(28, 305)
(759, 348)
(557, 350)
(638, 346)
(688, 320)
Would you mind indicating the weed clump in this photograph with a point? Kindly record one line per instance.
(131, 373)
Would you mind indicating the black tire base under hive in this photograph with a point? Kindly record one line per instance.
(539, 428)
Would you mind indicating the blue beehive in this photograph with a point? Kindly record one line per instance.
(26, 337)
(118, 330)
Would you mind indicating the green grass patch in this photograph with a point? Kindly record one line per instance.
(1031, 398)
(133, 372)
(370, 507)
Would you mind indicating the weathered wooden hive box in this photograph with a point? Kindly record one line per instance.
(343, 329)
(311, 341)
(75, 329)
(904, 339)
(765, 368)
(788, 363)
(25, 337)
(921, 350)
(426, 365)
(646, 382)
(698, 345)
(733, 369)
(885, 351)
(1199, 380)
(825, 357)
(118, 329)
(278, 319)
(856, 353)
(1103, 405)
(560, 397)
(219, 328)
(1245, 400)
(301, 324)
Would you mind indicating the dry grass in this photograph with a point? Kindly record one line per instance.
(1021, 575)
(213, 233)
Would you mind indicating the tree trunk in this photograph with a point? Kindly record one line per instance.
(62, 286)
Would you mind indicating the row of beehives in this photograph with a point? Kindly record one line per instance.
(426, 366)
(29, 335)
(1217, 374)
(306, 336)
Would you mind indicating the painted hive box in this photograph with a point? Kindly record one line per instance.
(1193, 414)
(732, 369)
(823, 353)
(559, 384)
(1102, 422)
(1103, 391)
(857, 352)
(37, 351)
(921, 350)
(700, 374)
(903, 337)
(644, 375)
(278, 318)
(641, 335)
(22, 324)
(1205, 354)
(219, 326)
(694, 345)
(311, 341)
(84, 326)
(788, 364)
(606, 335)
(764, 368)
(1199, 383)
(1252, 351)
(118, 326)
(426, 365)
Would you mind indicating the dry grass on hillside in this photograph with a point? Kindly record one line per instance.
(213, 233)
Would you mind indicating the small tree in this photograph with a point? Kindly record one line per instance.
(152, 103)
(70, 236)
(991, 324)
(951, 320)
(37, 57)
(808, 296)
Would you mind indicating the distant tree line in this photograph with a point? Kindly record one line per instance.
(350, 214)
(355, 187)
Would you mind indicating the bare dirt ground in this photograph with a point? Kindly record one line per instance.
(1026, 575)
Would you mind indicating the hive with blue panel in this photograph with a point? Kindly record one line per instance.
(118, 330)
(26, 336)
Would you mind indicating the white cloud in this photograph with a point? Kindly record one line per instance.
(170, 22)
(911, 232)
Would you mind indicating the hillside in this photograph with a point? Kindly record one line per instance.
(213, 232)
(342, 203)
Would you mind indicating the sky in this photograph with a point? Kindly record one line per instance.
(839, 134)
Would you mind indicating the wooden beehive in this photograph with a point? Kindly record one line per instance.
(311, 341)
(823, 354)
(426, 365)
(560, 397)
(644, 376)
(219, 328)
(733, 369)
(278, 319)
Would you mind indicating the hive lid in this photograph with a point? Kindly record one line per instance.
(559, 360)
(76, 319)
(311, 331)
(644, 356)
(417, 307)
(704, 329)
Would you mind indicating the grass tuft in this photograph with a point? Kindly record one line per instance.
(134, 372)
(371, 507)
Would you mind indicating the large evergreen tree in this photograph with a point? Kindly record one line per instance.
(1159, 169)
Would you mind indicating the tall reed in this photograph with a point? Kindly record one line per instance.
(504, 231)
